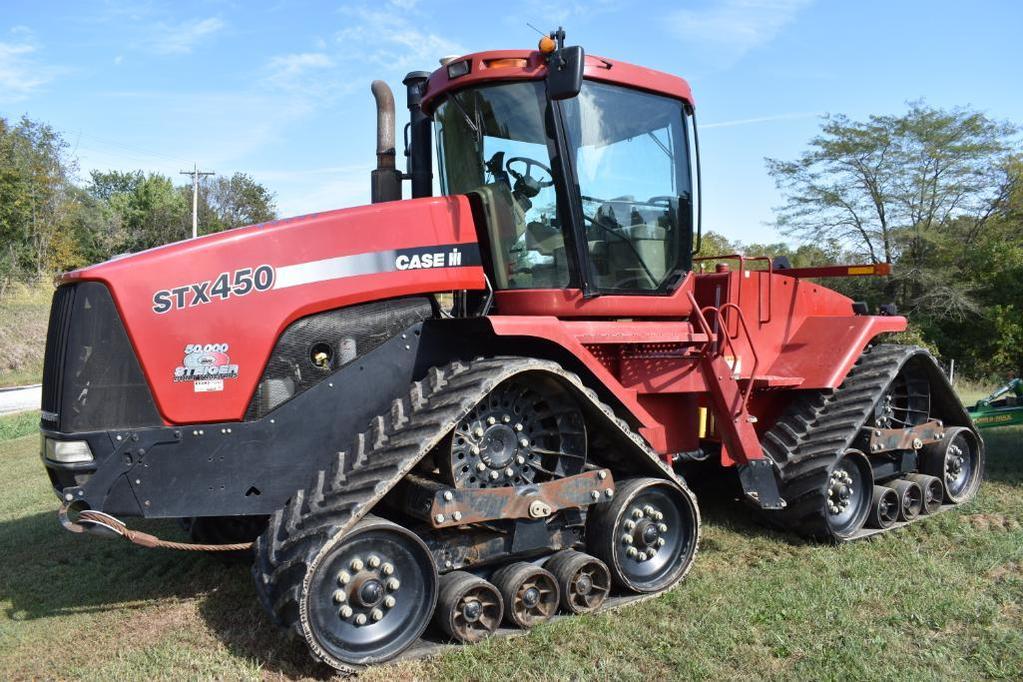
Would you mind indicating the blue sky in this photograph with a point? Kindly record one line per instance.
(280, 90)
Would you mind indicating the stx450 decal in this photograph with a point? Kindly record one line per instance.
(265, 278)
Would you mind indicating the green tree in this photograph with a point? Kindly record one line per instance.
(225, 202)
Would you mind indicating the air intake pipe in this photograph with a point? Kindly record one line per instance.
(420, 162)
(385, 180)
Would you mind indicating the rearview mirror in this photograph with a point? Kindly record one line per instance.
(565, 73)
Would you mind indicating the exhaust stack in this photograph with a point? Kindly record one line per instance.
(385, 180)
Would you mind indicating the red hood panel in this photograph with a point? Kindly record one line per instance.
(204, 314)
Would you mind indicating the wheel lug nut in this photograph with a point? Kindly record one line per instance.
(376, 614)
(393, 584)
(387, 569)
(340, 596)
(662, 528)
(661, 542)
(360, 619)
(346, 611)
(520, 460)
(480, 466)
(524, 442)
(658, 516)
(478, 432)
(389, 602)
(475, 450)
(631, 552)
(509, 472)
(494, 475)
(506, 418)
(648, 510)
(356, 564)
(637, 513)
(629, 524)
(627, 539)
(343, 577)
(518, 427)
(373, 561)
(491, 421)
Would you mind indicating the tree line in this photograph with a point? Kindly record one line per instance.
(52, 221)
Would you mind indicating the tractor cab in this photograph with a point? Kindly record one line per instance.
(591, 192)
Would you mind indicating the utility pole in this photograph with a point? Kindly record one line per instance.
(196, 173)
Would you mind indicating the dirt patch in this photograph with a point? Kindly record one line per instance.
(1010, 571)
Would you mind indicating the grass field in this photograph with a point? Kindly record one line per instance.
(942, 599)
(24, 313)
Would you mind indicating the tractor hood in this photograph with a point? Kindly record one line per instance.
(235, 292)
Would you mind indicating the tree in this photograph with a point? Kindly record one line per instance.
(225, 203)
(901, 189)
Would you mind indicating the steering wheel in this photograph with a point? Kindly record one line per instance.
(526, 176)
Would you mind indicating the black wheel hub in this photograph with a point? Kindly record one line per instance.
(958, 466)
(522, 432)
(531, 597)
(848, 496)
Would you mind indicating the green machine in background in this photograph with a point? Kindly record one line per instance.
(1004, 407)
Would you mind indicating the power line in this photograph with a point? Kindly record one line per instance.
(196, 173)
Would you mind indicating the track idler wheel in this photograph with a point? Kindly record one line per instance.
(469, 608)
(884, 508)
(583, 580)
(530, 593)
(848, 493)
(371, 595)
(933, 492)
(911, 498)
(957, 460)
(646, 536)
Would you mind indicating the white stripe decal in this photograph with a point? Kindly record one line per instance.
(335, 268)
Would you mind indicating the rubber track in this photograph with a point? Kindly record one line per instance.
(818, 428)
(303, 532)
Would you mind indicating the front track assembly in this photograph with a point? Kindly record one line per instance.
(360, 589)
(895, 422)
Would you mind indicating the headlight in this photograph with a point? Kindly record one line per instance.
(68, 451)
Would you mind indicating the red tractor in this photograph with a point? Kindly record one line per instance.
(474, 408)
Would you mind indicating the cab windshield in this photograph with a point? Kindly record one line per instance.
(629, 154)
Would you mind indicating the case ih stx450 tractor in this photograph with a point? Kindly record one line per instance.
(473, 409)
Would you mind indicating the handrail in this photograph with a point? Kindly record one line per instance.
(723, 338)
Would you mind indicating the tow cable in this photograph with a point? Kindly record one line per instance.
(99, 523)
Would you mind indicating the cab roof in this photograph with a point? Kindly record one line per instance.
(503, 65)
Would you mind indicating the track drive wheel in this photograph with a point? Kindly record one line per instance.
(584, 580)
(958, 460)
(849, 492)
(469, 608)
(371, 594)
(646, 535)
(530, 593)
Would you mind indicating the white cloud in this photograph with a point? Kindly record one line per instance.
(729, 29)
(21, 73)
(393, 41)
(287, 71)
(182, 38)
(760, 119)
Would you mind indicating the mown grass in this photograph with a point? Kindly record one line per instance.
(942, 599)
(24, 314)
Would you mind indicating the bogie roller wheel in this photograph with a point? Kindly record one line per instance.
(911, 498)
(933, 492)
(530, 593)
(646, 536)
(369, 595)
(884, 508)
(584, 580)
(849, 493)
(958, 460)
(469, 608)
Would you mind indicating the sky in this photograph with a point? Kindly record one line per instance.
(280, 90)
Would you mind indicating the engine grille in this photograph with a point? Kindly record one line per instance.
(92, 380)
